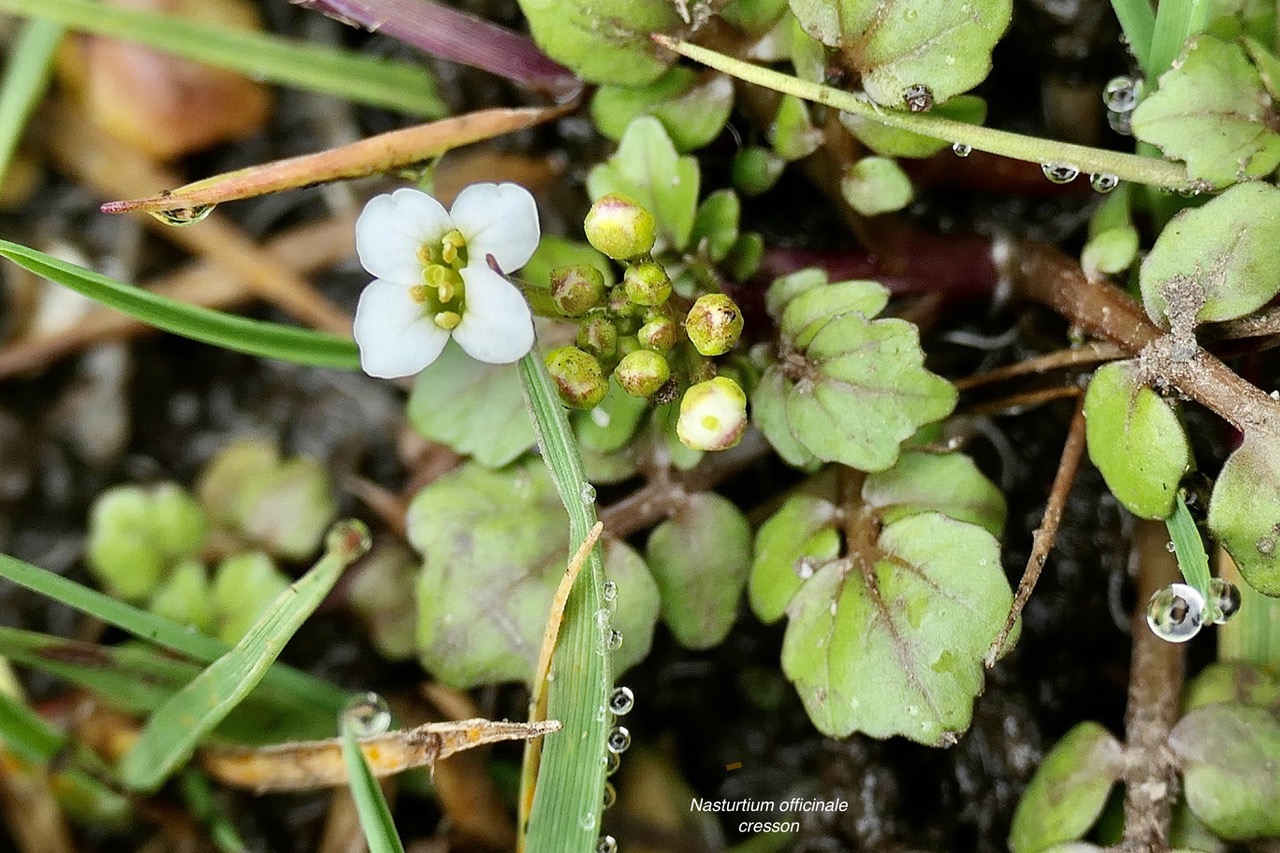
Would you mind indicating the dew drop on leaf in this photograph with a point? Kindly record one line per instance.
(961, 150)
(621, 701)
(1103, 182)
(618, 740)
(918, 98)
(1059, 173)
(1174, 613)
(1121, 94)
(183, 216)
(1120, 123)
(1224, 601)
(367, 714)
(607, 844)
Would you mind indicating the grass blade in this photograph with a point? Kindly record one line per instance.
(1176, 21)
(26, 75)
(177, 727)
(363, 79)
(375, 816)
(255, 337)
(306, 689)
(1189, 547)
(565, 810)
(1138, 21)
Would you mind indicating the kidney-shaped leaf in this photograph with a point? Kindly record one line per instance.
(895, 647)
(1230, 757)
(948, 483)
(790, 546)
(1244, 512)
(1225, 250)
(604, 41)
(494, 549)
(894, 45)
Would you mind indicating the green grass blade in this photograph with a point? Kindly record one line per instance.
(304, 688)
(26, 75)
(198, 793)
(177, 727)
(25, 734)
(1138, 21)
(1189, 547)
(255, 337)
(375, 816)
(565, 816)
(1176, 21)
(363, 79)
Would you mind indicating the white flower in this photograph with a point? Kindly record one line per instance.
(432, 277)
(713, 415)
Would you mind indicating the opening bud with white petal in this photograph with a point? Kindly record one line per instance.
(713, 415)
(620, 227)
(576, 289)
(642, 373)
(714, 324)
(578, 377)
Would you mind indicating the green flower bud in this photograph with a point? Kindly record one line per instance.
(658, 334)
(576, 289)
(122, 552)
(184, 597)
(642, 373)
(714, 324)
(225, 475)
(598, 336)
(627, 344)
(287, 508)
(713, 415)
(620, 227)
(243, 588)
(180, 525)
(578, 377)
(647, 283)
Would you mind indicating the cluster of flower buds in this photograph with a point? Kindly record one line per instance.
(654, 344)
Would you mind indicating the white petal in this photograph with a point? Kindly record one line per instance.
(395, 337)
(390, 230)
(499, 220)
(497, 325)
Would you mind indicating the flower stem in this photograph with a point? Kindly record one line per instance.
(1126, 167)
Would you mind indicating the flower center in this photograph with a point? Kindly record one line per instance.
(442, 291)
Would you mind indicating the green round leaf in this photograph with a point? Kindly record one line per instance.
(1233, 681)
(1212, 111)
(809, 311)
(494, 549)
(604, 41)
(792, 133)
(1230, 754)
(700, 558)
(876, 185)
(795, 540)
(1244, 512)
(896, 44)
(948, 483)
(1136, 440)
(716, 224)
(1224, 252)
(1069, 790)
(891, 643)
(692, 110)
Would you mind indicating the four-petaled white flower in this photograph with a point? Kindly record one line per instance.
(433, 280)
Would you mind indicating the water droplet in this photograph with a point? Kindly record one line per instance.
(614, 642)
(805, 567)
(588, 494)
(1121, 94)
(367, 714)
(961, 150)
(1121, 123)
(618, 740)
(1169, 546)
(1059, 173)
(622, 700)
(612, 761)
(610, 795)
(1174, 613)
(607, 844)
(588, 821)
(610, 591)
(1189, 192)
(603, 617)
(1103, 182)
(1224, 601)
(601, 713)
(183, 216)
(918, 98)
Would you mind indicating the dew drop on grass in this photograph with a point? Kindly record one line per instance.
(367, 714)
(588, 494)
(588, 821)
(607, 844)
(618, 740)
(1103, 182)
(621, 701)
(610, 796)
(1175, 612)
(612, 761)
(614, 642)
(1224, 601)
(1121, 94)
(1059, 173)
(961, 150)
(1169, 546)
(183, 216)
(610, 591)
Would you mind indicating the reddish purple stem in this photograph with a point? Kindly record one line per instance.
(449, 34)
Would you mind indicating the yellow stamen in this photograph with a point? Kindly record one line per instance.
(451, 244)
(428, 255)
(448, 320)
(418, 294)
(447, 291)
(435, 275)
